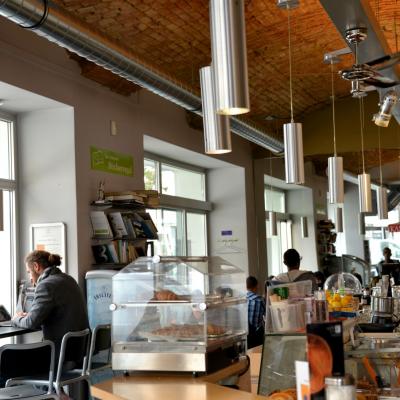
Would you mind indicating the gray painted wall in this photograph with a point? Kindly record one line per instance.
(46, 176)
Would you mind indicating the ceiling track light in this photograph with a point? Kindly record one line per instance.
(229, 56)
(292, 132)
(382, 118)
(339, 219)
(217, 134)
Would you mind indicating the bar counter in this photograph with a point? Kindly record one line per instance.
(176, 387)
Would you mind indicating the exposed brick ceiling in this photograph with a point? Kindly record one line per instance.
(173, 37)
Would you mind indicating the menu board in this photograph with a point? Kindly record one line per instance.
(49, 237)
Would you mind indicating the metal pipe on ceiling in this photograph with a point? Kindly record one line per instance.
(51, 22)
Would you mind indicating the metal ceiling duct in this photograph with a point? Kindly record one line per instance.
(49, 21)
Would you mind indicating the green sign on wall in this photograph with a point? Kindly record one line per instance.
(110, 161)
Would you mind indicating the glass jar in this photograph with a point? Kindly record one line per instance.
(340, 388)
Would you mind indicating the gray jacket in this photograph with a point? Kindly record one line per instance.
(58, 307)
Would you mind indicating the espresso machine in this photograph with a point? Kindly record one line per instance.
(382, 310)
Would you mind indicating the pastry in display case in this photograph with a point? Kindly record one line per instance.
(178, 314)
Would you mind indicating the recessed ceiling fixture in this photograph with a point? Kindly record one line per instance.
(335, 163)
(382, 199)
(229, 56)
(217, 134)
(292, 132)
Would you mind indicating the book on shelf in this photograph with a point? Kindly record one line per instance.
(124, 196)
(100, 225)
(149, 229)
(105, 253)
(117, 225)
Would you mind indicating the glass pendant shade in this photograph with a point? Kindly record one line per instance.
(273, 223)
(304, 227)
(335, 180)
(361, 224)
(339, 219)
(217, 134)
(364, 192)
(229, 56)
(382, 202)
(294, 160)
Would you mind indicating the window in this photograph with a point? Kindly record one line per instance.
(7, 193)
(182, 218)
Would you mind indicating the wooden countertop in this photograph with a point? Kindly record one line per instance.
(172, 387)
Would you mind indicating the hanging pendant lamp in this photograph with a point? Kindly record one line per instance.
(335, 163)
(361, 224)
(229, 56)
(339, 219)
(1, 212)
(382, 202)
(304, 227)
(364, 179)
(217, 134)
(273, 223)
(382, 199)
(292, 132)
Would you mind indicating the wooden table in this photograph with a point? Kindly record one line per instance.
(173, 387)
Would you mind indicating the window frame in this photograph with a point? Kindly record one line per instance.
(178, 203)
(11, 185)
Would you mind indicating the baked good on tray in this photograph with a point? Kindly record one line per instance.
(188, 330)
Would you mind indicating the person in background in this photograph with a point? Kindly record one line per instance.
(387, 256)
(319, 279)
(58, 306)
(291, 258)
(256, 313)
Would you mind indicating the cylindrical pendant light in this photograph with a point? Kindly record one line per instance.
(335, 179)
(294, 160)
(364, 192)
(273, 223)
(1, 211)
(217, 134)
(382, 202)
(339, 219)
(361, 224)
(304, 227)
(229, 56)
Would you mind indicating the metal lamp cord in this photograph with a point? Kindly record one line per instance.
(290, 66)
(333, 111)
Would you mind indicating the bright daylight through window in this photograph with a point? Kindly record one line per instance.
(182, 229)
(7, 191)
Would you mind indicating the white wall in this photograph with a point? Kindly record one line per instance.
(226, 187)
(46, 176)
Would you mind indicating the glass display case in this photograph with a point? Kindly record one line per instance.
(178, 314)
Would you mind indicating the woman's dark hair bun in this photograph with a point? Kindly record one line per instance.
(54, 260)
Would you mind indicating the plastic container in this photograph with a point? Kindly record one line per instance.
(343, 282)
(99, 295)
(340, 388)
(288, 317)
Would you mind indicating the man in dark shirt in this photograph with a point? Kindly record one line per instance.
(58, 306)
(256, 313)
